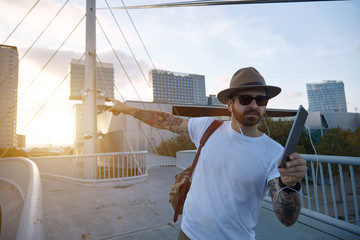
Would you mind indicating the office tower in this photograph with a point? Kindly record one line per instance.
(327, 96)
(104, 87)
(173, 87)
(9, 61)
(104, 80)
(214, 101)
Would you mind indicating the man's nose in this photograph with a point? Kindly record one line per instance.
(253, 103)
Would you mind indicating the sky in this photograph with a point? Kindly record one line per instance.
(291, 44)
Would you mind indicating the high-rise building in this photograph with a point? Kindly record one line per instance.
(104, 87)
(214, 101)
(327, 96)
(104, 79)
(173, 87)
(9, 61)
(79, 134)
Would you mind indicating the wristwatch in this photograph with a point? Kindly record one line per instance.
(288, 189)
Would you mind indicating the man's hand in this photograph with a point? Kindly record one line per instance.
(117, 108)
(294, 170)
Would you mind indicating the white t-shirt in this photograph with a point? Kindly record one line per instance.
(229, 182)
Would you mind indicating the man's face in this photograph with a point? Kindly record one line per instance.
(247, 114)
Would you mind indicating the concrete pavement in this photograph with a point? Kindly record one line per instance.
(139, 211)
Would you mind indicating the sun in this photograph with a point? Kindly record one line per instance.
(51, 127)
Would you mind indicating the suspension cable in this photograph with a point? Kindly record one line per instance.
(137, 32)
(137, 121)
(52, 56)
(127, 75)
(27, 51)
(142, 42)
(43, 105)
(20, 22)
(49, 97)
(127, 43)
(57, 50)
(132, 22)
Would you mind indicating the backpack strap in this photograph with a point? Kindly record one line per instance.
(209, 131)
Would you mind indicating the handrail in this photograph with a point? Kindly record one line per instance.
(89, 155)
(328, 181)
(31, 224)
(101, 169)
(332, 159)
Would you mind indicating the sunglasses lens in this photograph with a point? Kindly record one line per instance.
(246, 100)
(261, 100)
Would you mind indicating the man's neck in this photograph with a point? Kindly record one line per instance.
(250, 131)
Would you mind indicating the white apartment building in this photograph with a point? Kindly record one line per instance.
(9, 61)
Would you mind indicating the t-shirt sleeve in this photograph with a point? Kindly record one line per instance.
(274, 172)
(197, 127)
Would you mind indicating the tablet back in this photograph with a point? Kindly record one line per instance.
(294, 135)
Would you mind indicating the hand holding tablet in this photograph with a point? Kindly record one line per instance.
(294, 135)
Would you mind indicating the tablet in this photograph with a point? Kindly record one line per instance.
(294, 135)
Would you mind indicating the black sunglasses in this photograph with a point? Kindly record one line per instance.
(247, 99)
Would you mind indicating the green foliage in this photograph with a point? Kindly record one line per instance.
(279, 130)
(335, 141)
(12, 152)
(173, 145)
(339, 142)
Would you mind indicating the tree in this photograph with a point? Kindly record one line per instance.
(335, 142)
(173, 145)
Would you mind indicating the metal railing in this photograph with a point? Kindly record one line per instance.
(94, 168)
(332, 187)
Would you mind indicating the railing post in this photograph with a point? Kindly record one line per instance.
(333, 191)
(323, 189)
(356, 206)
(343, 193)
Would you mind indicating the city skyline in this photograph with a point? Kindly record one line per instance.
(290, 44)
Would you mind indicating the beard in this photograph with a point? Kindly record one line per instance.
(250, 117)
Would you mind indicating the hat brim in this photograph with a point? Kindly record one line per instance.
(271, 91)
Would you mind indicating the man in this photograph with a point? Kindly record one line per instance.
(237, 165)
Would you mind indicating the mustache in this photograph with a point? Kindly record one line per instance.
(252, 111)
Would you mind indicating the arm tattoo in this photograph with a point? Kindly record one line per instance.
(286, 205)
(161, 120)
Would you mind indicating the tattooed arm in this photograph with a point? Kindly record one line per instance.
(287, 204)
(155, 119)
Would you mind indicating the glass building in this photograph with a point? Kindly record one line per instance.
(327, 96)
(173, 87)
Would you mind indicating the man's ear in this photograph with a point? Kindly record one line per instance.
(229, 104)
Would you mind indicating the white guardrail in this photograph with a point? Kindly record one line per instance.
(23, 180)
(103, 169)
(330, 193)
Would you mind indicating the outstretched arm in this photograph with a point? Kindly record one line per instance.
(155, 119)
(287, 204)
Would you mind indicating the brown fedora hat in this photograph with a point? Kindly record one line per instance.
(247, 78)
